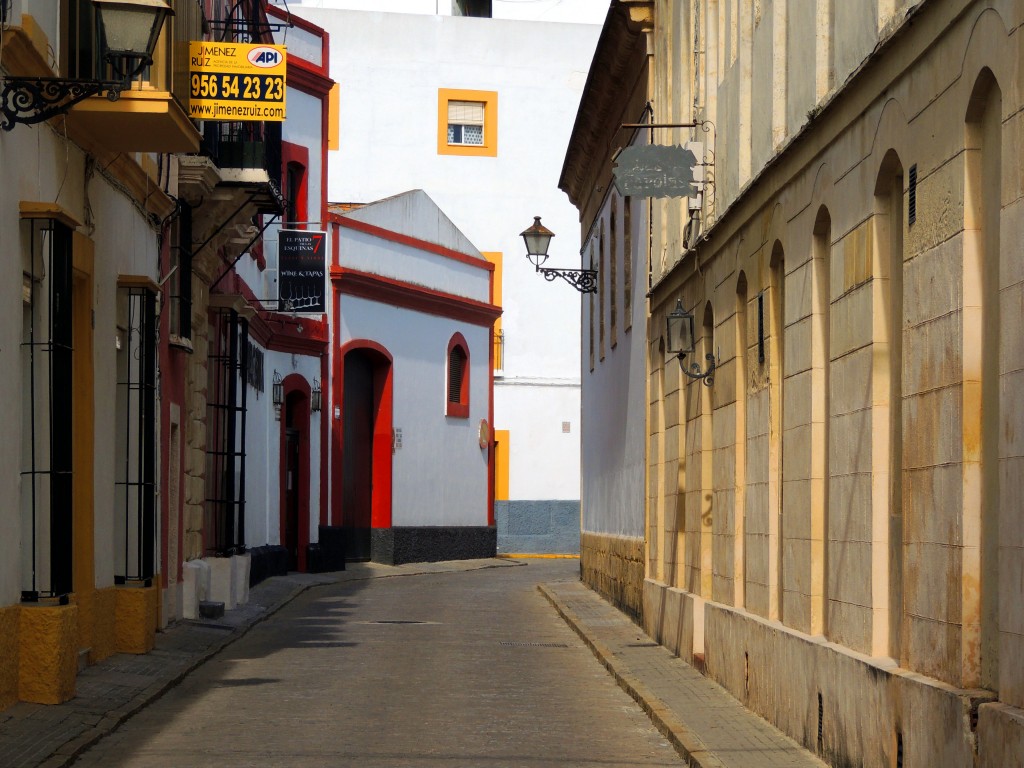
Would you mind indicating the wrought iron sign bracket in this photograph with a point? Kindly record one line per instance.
(583, 280)
(31, 100)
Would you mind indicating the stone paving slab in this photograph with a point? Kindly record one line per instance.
(706, 724)
(108, 693)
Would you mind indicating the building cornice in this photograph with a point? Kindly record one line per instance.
(414, 297)
(606, 93)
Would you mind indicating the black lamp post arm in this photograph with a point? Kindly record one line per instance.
(583, 280)
(31, 100)
(706, 377)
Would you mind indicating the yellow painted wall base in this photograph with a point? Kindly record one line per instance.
(48, 653)
(8, 656)
(86, 602)
(104, 643)
(136, 619)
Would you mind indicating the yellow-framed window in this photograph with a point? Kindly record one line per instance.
(467, 122)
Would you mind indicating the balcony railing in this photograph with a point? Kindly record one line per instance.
(499, 352)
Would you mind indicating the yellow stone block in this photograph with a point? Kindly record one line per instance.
(8, 656)
(86, 602)
(48, 653)
(136, 619)
(104, 623)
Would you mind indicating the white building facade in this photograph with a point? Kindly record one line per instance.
(412, 381)
(401, 77)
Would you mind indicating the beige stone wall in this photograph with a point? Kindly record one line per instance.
(840, 514)
(195, 421)
(613, 566)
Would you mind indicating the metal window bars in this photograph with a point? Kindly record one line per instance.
(47, 436)
(225, 438)
(135, 486)
(499, 351)
(181, 275)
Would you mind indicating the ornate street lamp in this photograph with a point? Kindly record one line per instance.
(129, 32)
(679, 342)
(537, 239)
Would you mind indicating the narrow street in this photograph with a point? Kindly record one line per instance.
(454, 669)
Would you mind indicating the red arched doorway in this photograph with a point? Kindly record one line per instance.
(366, 446)
(295, 471)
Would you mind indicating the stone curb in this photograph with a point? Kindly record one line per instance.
(685, 741)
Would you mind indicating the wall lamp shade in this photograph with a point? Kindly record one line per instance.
(537, 239)
(315, 396)
(679, 340)
(129, 30)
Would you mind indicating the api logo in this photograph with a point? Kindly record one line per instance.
(265, 56)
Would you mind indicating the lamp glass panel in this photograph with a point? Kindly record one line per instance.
(537, 243)
(128, 28)
(679, 330)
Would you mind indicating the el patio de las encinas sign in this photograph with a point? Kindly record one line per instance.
(652, 170)
(236, 81)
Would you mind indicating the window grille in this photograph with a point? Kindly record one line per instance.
(225, 437)
(456, 367)
(136, 435)
(47, 440)
(466, 122)
(499, 350)
(458, 378)
(181, 278)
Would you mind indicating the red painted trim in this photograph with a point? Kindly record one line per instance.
(295, 383)
(297, 156)
(383, 435)
(415, 297)
(336, 432)
(296, 21)
(307, 77)
(325, 421)
(412, 242)
(459, 410)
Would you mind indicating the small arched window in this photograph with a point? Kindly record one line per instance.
(458, 378)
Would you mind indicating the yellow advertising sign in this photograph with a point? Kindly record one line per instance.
(236, 81)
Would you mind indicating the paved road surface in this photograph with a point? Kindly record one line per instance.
(456, 669)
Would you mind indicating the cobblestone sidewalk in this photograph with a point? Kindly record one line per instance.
(707, 726)
(108, 693)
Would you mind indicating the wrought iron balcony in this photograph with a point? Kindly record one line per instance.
(248, 154)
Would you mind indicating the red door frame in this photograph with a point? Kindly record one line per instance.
(383, 435)
(294, 383)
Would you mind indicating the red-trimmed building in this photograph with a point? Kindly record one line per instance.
(412, 316)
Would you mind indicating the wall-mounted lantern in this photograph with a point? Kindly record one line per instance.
(680, 340)
(537, 238)
(277, 394)
(315, 396)
(129, 30)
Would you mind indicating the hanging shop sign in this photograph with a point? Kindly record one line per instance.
(303, 271)
(236, 81)
(652, 170)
